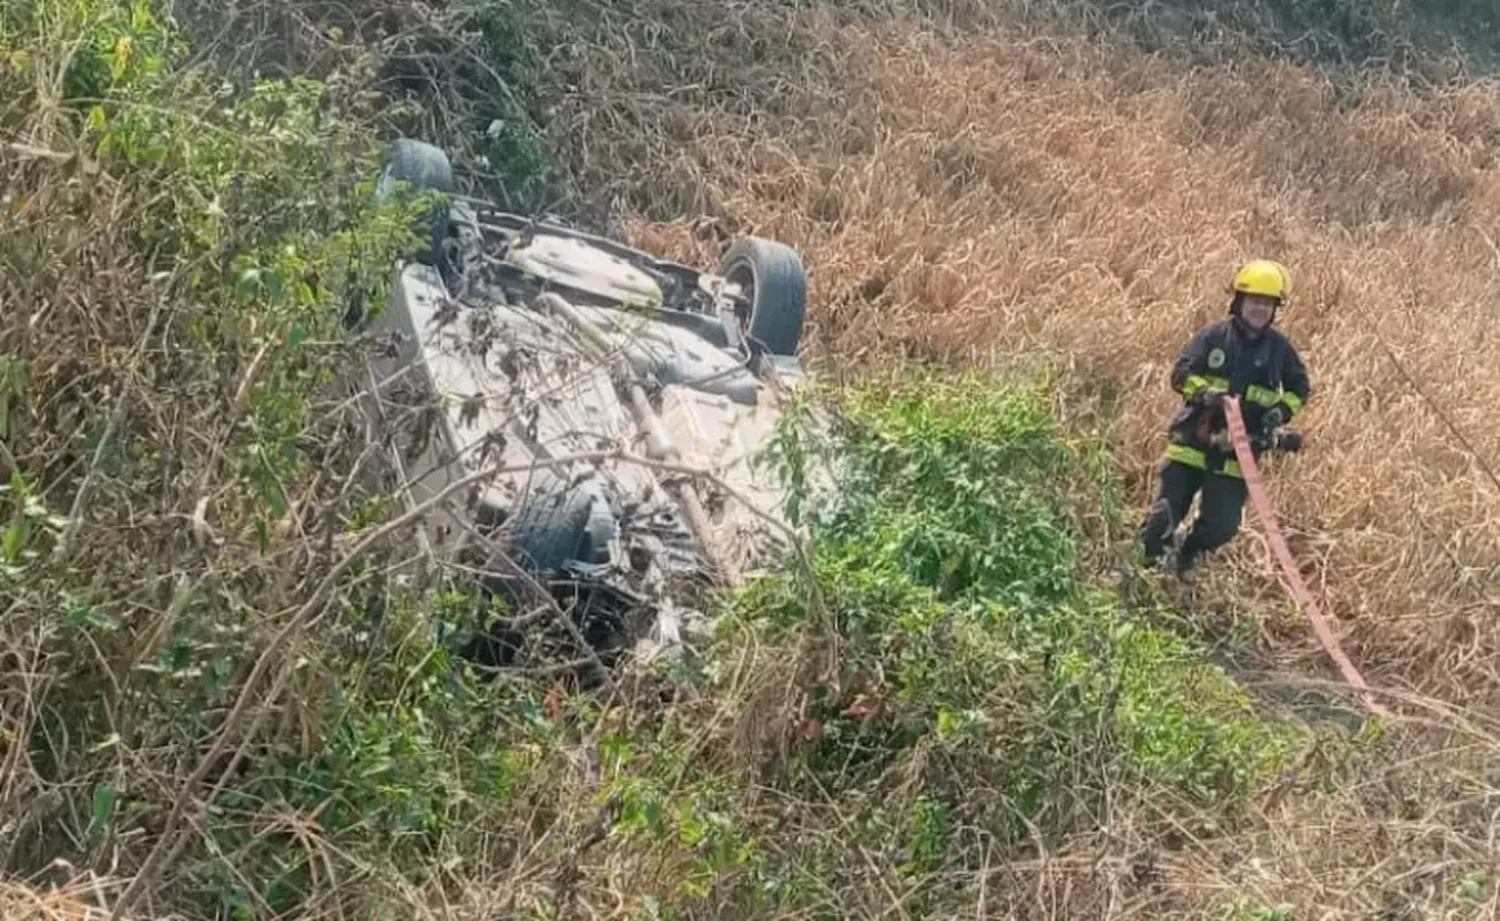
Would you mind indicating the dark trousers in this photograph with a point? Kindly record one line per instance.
(1219, 513)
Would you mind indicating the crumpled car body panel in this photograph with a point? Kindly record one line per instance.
(487, 381)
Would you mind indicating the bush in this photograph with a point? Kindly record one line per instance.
(182, 472)
(943, 555)
(176, 257)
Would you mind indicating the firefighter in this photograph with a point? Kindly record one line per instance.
(1244, 356)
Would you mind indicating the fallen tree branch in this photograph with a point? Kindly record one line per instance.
(36, 153)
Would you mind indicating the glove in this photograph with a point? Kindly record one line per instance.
(1290, 442)
(1274, 418)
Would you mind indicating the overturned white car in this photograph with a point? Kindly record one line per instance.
(602, 381)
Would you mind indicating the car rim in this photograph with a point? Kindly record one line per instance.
(742, 275)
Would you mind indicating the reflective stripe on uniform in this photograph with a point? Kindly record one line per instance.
(1195, 458)
(1262, 396)
(1184, 454)
(1265, 397)
(1197, 382)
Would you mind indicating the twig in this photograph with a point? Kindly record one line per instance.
(1452, 426)
(36, 153)
(568, 872)
(201, 529)
(80, 501)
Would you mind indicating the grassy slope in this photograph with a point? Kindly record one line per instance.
(963, 199)
(1003, 196)
(1008, 192)
(948, 714)
(1431, 41)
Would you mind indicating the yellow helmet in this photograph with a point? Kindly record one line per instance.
(1263, 277)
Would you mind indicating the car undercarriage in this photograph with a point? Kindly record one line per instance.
(619, 400)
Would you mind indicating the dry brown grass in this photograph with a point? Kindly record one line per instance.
(960, 203)
(963, 200)
(971, 200)
(22, 902)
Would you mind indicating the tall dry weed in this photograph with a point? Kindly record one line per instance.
(964, 201)
(959, 202)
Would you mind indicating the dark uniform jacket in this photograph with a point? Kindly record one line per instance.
(1262, 372)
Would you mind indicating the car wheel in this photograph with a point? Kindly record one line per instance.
(425, 168)
(774, 284)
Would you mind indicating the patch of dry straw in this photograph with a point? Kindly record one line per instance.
(22, 902)
(1000, 195)
(974, 199)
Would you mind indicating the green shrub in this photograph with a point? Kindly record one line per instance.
(942, 551)
(176, 258)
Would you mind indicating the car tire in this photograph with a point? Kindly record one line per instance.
(773, 276)
(421, 164)
(425, 168)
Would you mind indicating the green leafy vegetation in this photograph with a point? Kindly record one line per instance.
(176, 256)
(948, 567)
(944, 684)
(508, 139)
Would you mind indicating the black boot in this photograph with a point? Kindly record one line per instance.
(1179, 483)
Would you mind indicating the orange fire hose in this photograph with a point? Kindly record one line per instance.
(1266, 512)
